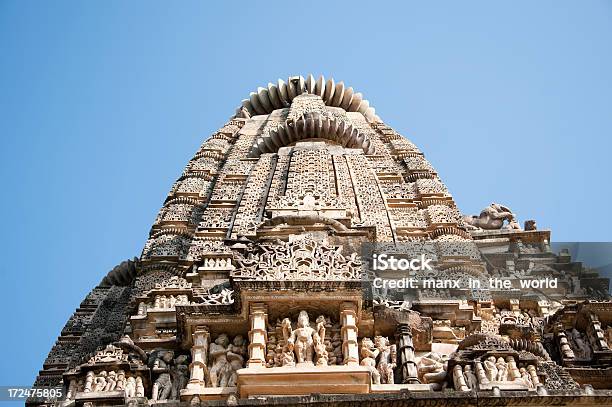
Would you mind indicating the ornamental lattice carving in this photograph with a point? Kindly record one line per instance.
(302, 259)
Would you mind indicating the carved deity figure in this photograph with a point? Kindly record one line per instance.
(493, 217)
(431, 369)
(301, 340)
(369, 354)
(387, 359)
(218, 359)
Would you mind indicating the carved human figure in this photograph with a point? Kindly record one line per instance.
(470, 377)
(139, 387)
(301, 340)
(89, 382)
(236, 354)
(526, 377)
(130, 387)
(481, 373)
(387, 359)
(431, 369)
(180, 376)
(319, 342)
(236, 362)
(100, 381)
(162, 387)
(218, 359)
(368, 354)
(491, 368)
(513, 371)
(238, 346)
(287, 355)
(502, 370)
(111, 381)
(120, 384)
(459, 379)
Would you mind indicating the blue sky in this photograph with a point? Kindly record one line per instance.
(103, 103)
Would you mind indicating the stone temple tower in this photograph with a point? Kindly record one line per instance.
(253, 284)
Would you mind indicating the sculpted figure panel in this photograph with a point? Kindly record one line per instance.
(226, 358)
(304, 344)
(431, 369)
(493, 217)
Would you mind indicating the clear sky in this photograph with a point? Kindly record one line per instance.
(102, 103)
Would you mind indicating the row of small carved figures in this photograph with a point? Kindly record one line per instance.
(105, 381)
(433, 369)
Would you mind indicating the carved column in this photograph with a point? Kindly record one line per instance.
(199, 358)
(564, 347)
(596, 335)
(348, 318)
(258, 335)
(406, 354)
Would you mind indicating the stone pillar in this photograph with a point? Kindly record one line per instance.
(258, 335)
(199, 358)
(564, 347)
(348, 319)
(406, 354)
(596, 335)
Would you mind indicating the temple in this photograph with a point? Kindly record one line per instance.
(255, 285)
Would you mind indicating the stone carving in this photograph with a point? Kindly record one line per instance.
(460, 379)
(225, 359)
(387, 359)
(431, 369)
(302, 259)
(283, 93)
(236, 354)
(493, 217)
(218, 359)
(110, 354)
(225, 297)
(107, 381)
(368, 354)
(162, 388)
(581, 348)
(319, 342)
(303, 343)
(172, 374)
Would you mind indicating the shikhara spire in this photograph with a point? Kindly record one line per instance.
(254, 280)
